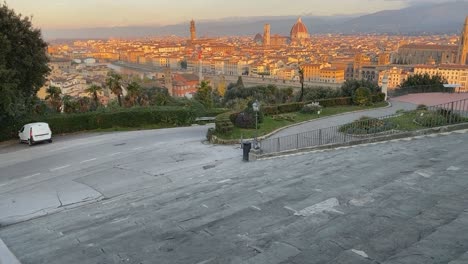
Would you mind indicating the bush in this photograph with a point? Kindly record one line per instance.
(312, 108)
(377, 98)
(270, 110)
(133, 117)
(290, 107)
(245, 120)
(362, 96)
(366, 125)
(441, 117)
(421, 107)
(223, 124)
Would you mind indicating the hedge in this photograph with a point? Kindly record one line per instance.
(223, 124)
(67, 123)
(271, 110)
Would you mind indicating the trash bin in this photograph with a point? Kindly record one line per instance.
(246, 146)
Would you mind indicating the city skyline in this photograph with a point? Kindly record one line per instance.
(63, 14)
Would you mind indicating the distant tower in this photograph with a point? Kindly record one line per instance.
(266, 35)
(168, 81)
(193, 31)
(463, 45)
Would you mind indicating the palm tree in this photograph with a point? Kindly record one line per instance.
(134, 90)
(54, 96)
(94, 90)
(114, 82)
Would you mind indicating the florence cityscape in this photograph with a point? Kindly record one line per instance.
(206, 132)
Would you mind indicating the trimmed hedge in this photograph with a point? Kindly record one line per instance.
(223, 123)
(271, 110)
(67, 123)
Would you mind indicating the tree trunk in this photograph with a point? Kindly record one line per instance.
(120, 100)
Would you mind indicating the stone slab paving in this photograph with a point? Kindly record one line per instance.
(396, 202)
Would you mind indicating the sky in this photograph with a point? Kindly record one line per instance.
(68, 14)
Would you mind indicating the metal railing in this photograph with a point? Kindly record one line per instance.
(425, 117)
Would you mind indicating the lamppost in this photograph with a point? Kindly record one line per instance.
(256, 108)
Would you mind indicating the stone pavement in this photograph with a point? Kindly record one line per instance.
(343, 119)
(399, 202)
(432, 98)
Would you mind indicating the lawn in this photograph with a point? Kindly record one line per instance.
(405, 122)
(270, 124)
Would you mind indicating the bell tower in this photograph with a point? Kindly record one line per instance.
(193, 31)
(463, 45)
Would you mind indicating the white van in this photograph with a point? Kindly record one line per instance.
(35, 132)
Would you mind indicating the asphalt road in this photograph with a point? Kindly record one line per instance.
(399, 202)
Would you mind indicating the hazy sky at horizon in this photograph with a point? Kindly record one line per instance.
(55, 14)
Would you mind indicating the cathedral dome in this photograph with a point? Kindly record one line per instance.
(299, 30)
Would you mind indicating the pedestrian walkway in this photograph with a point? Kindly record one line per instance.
(343, 119)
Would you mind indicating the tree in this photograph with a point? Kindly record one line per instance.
(114, 82)
(93, 90)
(240, 83)
(362, 96)
(424, 80)
(350, 86)
(134, 91)
(23, 63)
(54, 97)
(204, 94)
(183, 64)
(301, 79)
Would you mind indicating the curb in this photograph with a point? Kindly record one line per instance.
(386, 138)
(217, 140)
(6, 256)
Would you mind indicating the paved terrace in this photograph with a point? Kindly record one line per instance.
(401, 202)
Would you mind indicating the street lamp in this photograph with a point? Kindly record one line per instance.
(256, 108)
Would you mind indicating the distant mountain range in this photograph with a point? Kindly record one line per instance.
(429, 18)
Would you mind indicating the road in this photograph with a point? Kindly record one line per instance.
(79, 169)
(403, 201)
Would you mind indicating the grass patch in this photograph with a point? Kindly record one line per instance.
(270, 123)
(405, 122)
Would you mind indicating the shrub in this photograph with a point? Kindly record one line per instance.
(377, 98)
(366, 125)
(223, 124)
(362, 96)
(312, 108)
(270, 110)
(245, 120)
(340, 101)
(290, 107)
(421, 107)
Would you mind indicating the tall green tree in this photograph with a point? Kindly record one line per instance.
(23, 63)
(54, 97)
(424, 80)
(204, 94)
(93, 90)
(114, 83)
(240, 82)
